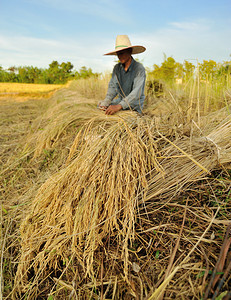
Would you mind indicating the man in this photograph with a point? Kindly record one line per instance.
(128, 79)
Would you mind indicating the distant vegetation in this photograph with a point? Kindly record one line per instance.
(55, 74)
(169, 70)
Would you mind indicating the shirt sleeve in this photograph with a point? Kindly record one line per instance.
(112, 90)
(138, 87)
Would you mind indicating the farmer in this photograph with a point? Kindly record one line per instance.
(128, 79)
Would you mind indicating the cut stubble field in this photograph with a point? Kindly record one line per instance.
(114, 207)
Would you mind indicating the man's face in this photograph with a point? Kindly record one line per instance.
(124, 56)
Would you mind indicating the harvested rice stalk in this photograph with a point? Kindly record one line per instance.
(91, 205)
(189, 160)
(91, 200)
(58, 119)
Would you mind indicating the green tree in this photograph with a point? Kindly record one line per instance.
(156, 72)
(84, 73)
(54, 72)
(188, 69)
(179, 70)
(23, 75)
(59, 73)
(11, 76)
(34, 74)
(2, 75)
(224, 68)
(168, 68)
(208, 69)
(66, 71)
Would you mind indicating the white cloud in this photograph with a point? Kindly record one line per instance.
(192, 40)
(25, 44)
(199, 39)
(24, 51)
(191, 26)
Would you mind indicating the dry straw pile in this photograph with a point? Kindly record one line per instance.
(132, 211)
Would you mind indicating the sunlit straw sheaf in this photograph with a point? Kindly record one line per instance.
(110, 172)
(187, 160)
(114, 207)
(94, 195)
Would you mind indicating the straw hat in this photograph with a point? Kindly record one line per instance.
(123, 42)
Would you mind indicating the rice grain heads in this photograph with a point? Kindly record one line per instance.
(88, 211)
(93, 198)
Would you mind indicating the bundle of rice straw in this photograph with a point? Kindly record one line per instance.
(58, 118)
(92, 203)
(189, 159)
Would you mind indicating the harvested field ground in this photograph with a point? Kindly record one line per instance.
(114, 207)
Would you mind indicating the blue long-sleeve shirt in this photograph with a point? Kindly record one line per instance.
(128, 86)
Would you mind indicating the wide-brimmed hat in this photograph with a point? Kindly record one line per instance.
(122, 43)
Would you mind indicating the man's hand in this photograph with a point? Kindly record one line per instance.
(112, 109)
(101, 107)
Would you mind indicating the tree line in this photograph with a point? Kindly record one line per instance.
(169, 70)
(56, 73)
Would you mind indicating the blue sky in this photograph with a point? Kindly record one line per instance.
(36, 32)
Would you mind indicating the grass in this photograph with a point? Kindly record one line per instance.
(197, 98)
(93, 88)
(114, 207)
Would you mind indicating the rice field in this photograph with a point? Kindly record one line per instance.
(24, 91)
(117, 207)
